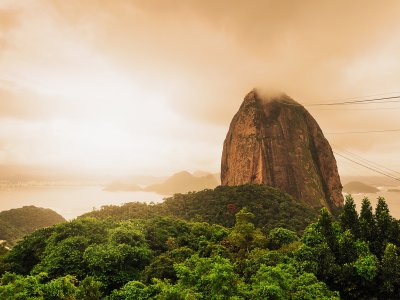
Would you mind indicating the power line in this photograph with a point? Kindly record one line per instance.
(362, 97)
(369, 131)
(372, 169)
(381, 100)
(367, 164)
(358, 109)
(371, 163)
(367, 101)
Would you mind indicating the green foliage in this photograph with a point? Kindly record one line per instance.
(286, 282)
(390, 275)
(61, 288)
(131, 290)
(90, 289)
(116, 264)
(244, 236)
(3, 250)
(349, 217)
(259, 257)
(16, 223)
(279, 237)
(26, 254)
(197, 278)
(63, 253)
(162, 267)
(358, 254)
(366, 266)
(368, 230)
(20, 287)
(14, 286)
(160, 230)
(65, 257)
(208, 276)
(163, 257)
(271, 208)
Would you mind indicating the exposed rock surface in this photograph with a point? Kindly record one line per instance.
(275, 141)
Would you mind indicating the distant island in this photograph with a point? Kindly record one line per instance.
(355, 187)
(19, 222)
(181, 182)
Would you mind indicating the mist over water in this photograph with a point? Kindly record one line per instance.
(71, 201)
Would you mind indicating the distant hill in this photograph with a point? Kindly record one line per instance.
(180, 182)
(16, 223)
(370, 180)
(183, 182)
(355, 187)
(200, 173)
(271, 207)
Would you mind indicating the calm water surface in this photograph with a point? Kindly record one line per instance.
(70, 201)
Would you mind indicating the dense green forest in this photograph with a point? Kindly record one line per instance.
(143, 254)
(271, 208)
(16, 223)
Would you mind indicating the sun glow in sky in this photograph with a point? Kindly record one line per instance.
(149, 87)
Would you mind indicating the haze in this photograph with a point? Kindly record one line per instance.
(149, 87)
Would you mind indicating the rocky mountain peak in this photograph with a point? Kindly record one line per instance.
(274, 140)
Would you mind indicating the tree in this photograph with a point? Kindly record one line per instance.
(347, 248)
(325, 225)
(384, 227)
(90, 289)
(131, 290)
(64, 258)
(61, 288)
(286, 282)
(349, 217)
(116, 264)
(367, 222)
(212, 276)
(390, 273)
(162, 267)
(244, 236)
(279, 237)
(15, 286)
(27, 253)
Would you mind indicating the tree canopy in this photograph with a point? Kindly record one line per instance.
(355, 256)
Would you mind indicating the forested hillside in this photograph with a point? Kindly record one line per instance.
(16, 223)
(353, 257)
(271, 208)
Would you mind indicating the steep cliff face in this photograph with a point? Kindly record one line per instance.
(275, 141)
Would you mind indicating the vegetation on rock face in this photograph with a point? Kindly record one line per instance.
(16, 223)
(271, 208)
(159, 257)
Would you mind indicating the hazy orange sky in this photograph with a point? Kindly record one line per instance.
(150, 87)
